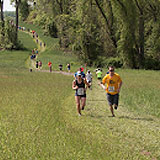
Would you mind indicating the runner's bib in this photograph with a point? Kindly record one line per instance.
(111, 89)
(80, 91)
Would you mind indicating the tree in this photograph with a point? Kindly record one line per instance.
(2, 16)
(109, 25)
(17, 4)
(24, 9)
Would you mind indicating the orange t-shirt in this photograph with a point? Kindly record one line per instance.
(112, 83)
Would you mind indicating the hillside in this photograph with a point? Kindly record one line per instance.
(39, 119)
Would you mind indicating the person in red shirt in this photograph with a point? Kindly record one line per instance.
(82, 69)
(50, 66)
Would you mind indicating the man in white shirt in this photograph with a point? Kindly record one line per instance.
(89, 78)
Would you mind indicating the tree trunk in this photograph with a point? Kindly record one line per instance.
(110, 28)
(141, 35)
(141, 41)
(2, 16)
(17, 20)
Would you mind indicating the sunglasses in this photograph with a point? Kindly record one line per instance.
(111, 70)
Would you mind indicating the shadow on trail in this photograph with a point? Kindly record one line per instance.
(136, 118)
(94, 116)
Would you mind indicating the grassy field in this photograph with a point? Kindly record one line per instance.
(52, 52)
(38, 118)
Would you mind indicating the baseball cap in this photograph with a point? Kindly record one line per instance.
(79, 73)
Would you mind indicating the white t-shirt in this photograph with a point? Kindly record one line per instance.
(89, 77)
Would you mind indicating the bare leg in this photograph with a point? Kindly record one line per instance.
(83, 102)
(77, 98)
(112, 111)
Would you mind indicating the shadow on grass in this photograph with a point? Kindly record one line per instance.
(136, 118)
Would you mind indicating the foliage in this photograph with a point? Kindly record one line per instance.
(9, 14)
(39, 118)
(24, 10)
(8, 39)
(128, 29)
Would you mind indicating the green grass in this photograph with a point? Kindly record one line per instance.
(39, 121)
(53, 52)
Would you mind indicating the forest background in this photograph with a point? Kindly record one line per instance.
(123, 33)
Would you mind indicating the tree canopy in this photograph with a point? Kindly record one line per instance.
(124, 33)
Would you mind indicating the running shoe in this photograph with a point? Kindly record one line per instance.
(115, 107)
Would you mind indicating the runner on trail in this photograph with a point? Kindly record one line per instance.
(33, 51)
(99, 74)
(36, 64)
(89, 78)
(82, 69)
(50, 66)
(82, 73)
(40, 64)
(113, 85)
(68, 67)
(60, 67)
(80, 96)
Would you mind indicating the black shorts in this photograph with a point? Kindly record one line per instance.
(81, 95)
(112, 99)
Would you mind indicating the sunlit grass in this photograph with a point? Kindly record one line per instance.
(53, 52)
(38, 117)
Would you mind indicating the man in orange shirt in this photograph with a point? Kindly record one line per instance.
(113, 85)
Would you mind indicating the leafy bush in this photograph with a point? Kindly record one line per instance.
(151, 63)
(106, 62)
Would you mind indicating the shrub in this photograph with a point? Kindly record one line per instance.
(106, 62)
(151, 63)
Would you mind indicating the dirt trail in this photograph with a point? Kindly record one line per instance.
(60, 72)
(41, 49)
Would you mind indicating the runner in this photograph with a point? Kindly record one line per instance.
(60, 67)
(36, 64)
(80, 95)
(40, 64)
(113, 85)
(68, 67)
(50, 66)
(82, 73)
(82, 69)
(99, 74)
(89, 78)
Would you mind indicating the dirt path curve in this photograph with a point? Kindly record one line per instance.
(41, 49)
(58, 72)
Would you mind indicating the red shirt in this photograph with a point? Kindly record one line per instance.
(82, 69)
(49, 64)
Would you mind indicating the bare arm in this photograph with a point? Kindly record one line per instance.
(74, 85)
(102, 85)
(85, 81)
(120, 85)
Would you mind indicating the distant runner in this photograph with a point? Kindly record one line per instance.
(68, 67)
(99, 74)
(80, 96)
(50, 66)
(82, 73)
(60, 67)
(36, 64)
(40, 64)
(89, 78)
(113, 85)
